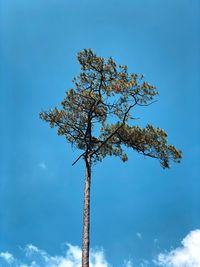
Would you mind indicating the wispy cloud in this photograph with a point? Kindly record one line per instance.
(139, 235)
(43, 165)
(128, 263)
(35, 257)
(156, 241)
(7, 257)
(187, 255)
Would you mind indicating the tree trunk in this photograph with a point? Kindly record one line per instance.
(86, 214)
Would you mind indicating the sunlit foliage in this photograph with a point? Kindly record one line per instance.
(96, 115)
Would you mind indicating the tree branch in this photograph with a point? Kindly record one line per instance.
(78, 158)
(111, 135)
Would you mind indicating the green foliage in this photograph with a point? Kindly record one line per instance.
(96, 113)
(148, 141)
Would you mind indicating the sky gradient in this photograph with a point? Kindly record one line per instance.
(138, 210)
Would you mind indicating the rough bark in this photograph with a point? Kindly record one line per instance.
(86, 214)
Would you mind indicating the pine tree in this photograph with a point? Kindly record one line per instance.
(96, 117)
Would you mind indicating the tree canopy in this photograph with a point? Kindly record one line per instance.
(96, 116)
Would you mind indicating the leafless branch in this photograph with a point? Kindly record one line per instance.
(78, 158)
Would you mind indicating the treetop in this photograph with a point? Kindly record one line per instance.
(95, 116)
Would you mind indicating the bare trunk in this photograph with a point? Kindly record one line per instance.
(86, 214)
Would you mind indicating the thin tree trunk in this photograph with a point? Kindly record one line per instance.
(86, 214)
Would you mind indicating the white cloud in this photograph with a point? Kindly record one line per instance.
(35, 257)
(128, 263)
(7, 257)
(188, 255)
(43, 166)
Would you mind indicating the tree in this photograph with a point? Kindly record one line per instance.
(96, 117)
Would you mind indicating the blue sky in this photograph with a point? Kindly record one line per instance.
(138, 209)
